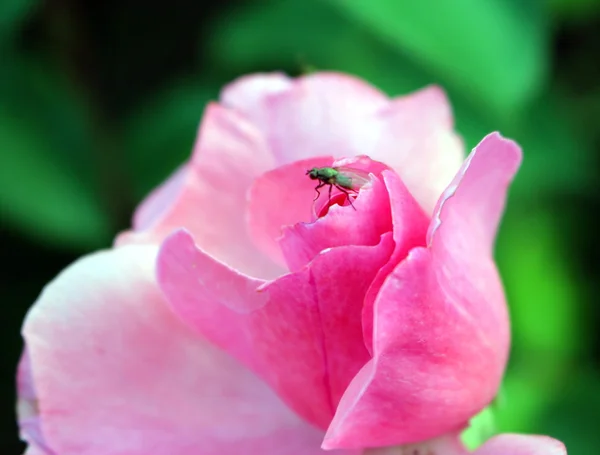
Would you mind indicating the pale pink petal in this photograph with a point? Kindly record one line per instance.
(409, 228)
(27, 410)
(520, 444)
(208, 196)
(33, 450)
(117, 373)
(418, 141)
(249, 94)
(281, 197)
(301, 333)
(154, 208)
(363, 225)
(503, 444)
(440, 327)
(448, 444)
(321, 114)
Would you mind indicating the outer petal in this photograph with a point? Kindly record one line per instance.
(27, 411)
(319, 114)
(440, 329)
(301, 333)
(448, 444)
(116, 373)
(520, 444)
(418, 141)
(504, 444)
(208, 195)
(249, 94)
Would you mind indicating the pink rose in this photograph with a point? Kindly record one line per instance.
(239, 317)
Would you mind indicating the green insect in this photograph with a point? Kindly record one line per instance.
(344, 179)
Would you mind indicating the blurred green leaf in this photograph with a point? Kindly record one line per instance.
(159, 136)
(495, 51)
(12, 14)
(47, 178)
(558, 157)
(574, 9)
(543, 292)
(269, 33)
(41, 195)
(297, 34)
(574, 418)
(545, 307)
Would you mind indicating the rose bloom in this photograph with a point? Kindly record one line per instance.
(239, 316)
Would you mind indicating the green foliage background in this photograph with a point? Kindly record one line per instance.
(100, 101)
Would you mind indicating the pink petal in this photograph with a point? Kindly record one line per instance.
(409, 228)
(504, 444)
(447, 444)
(317, 115)
(249, 94)
(27, 410)
(301, 333)
(281, 197)
(339, 115)
(417, 140)
(341, 226)
(440, 327)
(520, 444)
(117, 373)
(208, 195)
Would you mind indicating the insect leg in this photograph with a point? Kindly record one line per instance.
(320, 185)
(347, 195)
(330, 187)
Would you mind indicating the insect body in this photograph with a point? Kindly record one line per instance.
(344, 179)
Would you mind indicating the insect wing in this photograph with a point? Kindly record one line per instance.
(358, 178)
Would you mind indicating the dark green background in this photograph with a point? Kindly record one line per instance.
(99, 101)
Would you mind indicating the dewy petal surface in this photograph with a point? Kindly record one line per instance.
(208, 195)
(301, 332)
(440, 331)
(117, 373)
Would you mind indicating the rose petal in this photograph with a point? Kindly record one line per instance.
(208, 196)
(409, 229)
(418, 141)
(117, 373)
(448, 444)
(520, 444)
(301, 333)
(319, 115)
(363, 225)
(504, 444)
(335, 114)
(440, 327)
(152, 209)
(281, 197)
(249, 94)
(27, 410)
